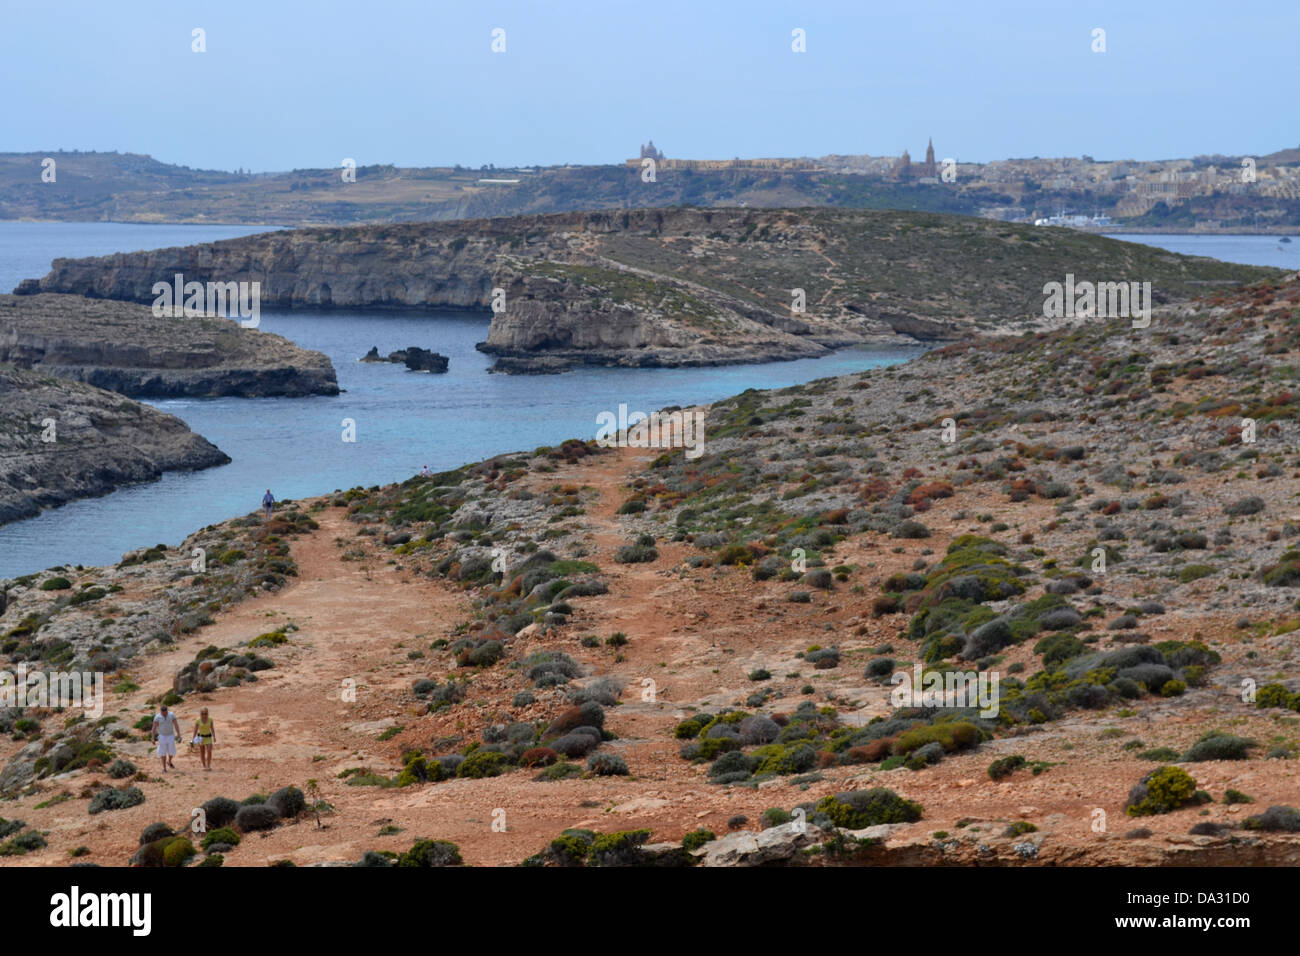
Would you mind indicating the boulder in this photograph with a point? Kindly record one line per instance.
(21, 768)
(747, 848)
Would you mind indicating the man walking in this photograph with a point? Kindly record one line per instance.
(165, 729)
(268, 502)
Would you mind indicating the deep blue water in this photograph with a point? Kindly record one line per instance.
(1248, 250)
(404, 420)
(27, 248)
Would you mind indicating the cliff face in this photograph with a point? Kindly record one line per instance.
(673, 286)
(99, 442)
(574, 317)
(125, 348)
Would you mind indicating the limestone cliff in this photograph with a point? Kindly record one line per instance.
(62, 440)
(125, 348)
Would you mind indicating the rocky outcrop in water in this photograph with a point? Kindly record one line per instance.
(679, 286)
(414, 358)
(62, 440)
(126, 348)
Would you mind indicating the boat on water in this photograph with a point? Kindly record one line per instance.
(1074, 221)
(1285, 239)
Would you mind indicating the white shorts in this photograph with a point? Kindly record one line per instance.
(166, 745)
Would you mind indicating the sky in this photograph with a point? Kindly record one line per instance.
(286, 84)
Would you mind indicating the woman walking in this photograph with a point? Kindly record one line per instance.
(205, 732)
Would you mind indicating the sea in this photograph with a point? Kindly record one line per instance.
(402, 421)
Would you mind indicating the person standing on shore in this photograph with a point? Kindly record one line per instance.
(268, 502)
(206, 733)
(165, 728)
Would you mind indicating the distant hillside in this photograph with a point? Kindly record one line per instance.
(129, 188)
(679, 286)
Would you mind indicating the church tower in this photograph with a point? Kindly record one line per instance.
(929, 158)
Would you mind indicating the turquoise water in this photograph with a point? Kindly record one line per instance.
(403, 420)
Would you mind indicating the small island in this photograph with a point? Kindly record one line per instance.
(415, 359)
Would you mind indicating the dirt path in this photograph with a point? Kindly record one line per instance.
(696, 634)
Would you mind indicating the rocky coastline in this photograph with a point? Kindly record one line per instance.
(125, 348)
(669, 287)
(62, 440)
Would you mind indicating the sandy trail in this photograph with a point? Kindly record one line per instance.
(697, 635)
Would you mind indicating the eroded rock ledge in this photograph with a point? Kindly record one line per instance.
(125, 348)
(97, 442)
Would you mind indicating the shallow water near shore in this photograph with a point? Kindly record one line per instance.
(403, 420)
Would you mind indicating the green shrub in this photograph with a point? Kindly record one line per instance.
(952, 736)
(880, 667)
(169, 851)
(219, 811)
(1284, 574)
(113, 799)
(1194, 572)
(774, 817)
(287, 801)
(1219, 746)
(270, 639)
(1059, 648)
(220, 835)
(1005, 766)
(1273, 695)
(617, 849)
(23, 844)
(177, 851)
(55, 584)
(687, 729)
(607, 765)
(86, 595)
(1279, 819)
(483, 763)
(559, 771)
(431, 853)
(697, 838)
(1162, 790)
(636, 554)
(857, 809)
(785, 759)
(121, 768)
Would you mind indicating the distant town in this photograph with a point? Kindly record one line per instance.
(1125, 189)
(1212, 194)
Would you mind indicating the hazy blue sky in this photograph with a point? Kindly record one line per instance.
(285, 85)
